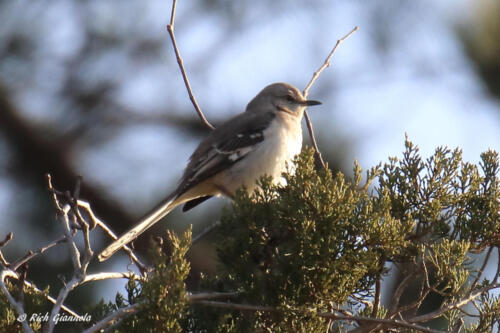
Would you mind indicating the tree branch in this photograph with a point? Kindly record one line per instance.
(109, 275)
(457, 304)
(52, 299)
(205, 231)
(80, 262)
(18, 306)
(170, 28)
(2, 244)
(483, 266)
(112, 318)
(328, 315)
(33, 253)
(305, 92)
(95, 220)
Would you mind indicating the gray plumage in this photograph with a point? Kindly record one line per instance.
(260, 141)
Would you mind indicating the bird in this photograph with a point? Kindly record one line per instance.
(260, 141)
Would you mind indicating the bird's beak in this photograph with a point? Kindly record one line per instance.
(311, 103)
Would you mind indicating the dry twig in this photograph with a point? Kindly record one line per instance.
(305, 92)
(205, 232)
(333, 316)
(96, 221)
(17, 305)
(170, 28)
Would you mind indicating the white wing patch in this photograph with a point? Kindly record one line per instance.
(209, 161)
(238, 153)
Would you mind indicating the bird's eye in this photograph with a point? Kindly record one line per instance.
(290, 98)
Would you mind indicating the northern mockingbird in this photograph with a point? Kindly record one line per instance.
(257, 142)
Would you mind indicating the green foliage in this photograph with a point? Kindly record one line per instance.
(34, 302)
(163, 295)
(309, 244)
(321, 243)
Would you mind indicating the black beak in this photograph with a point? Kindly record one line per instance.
(311, 103)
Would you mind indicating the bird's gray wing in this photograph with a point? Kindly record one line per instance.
(228, 144)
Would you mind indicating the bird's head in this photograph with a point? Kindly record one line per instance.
(280, 97)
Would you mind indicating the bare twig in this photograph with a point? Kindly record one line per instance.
(2, 244)
(110, 275)
(79, 267)
(96, 221)
(118, 315)
(52, 299)
(112, 318)
(327, 62)
(6, 239)
(305, 92)
(319, 157)
(4, 262)
(80, 262)
(211, 295)
(483, 266)
(415, 305)
(454, 305)
(17, 306)
(205, 231)
(497, 274)
(170, 28)
(32, 253)
(399, 292)
(329, 315)
(376, 301)
(237, 306)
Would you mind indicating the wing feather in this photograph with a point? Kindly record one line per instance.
(228, 144)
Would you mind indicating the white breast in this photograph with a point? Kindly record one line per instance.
(282, 141)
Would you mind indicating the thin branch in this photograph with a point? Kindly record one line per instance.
(79, 268)
(4, 262)
(327, 62)
(205, 231)
(497, 274)
(457, 304)
(80, 262)
(32, 253)
(237, 306)
(210, 295)
(2, 244)
(305, 92)
(115, 317)
(399, 292)
(313, 139)
(17, 306)
(328, 315)
(112, 318)
(376, 301)
(95, 220)
(415, 304)
(468, 313)
(52, 300)
(483, 266)
(170, 28)
(6, 239)
(109, 275)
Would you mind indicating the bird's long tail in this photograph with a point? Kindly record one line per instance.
(144, 224)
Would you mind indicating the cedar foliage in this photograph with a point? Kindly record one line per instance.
(321, 243)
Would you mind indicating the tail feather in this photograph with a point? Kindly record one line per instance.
(148, 221)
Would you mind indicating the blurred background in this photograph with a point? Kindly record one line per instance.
(92, 88)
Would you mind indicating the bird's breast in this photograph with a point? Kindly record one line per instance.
(282, 141)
